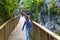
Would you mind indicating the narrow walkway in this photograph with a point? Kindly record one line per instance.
(17, 33)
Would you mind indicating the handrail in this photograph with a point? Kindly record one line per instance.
(7, 22)
(38, 32)
(43, 33)
(7, 27)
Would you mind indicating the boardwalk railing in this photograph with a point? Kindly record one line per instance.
(7, 27)
(39, 32)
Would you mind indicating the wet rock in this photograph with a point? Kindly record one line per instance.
(58, 21)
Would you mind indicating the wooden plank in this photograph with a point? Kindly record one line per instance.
(7, 27)
(47, 31)
(2, 34)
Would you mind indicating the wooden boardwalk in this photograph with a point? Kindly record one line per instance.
(17, 33)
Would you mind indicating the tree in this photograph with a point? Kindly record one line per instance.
(7, 9)
(51, 6)
(32, 5)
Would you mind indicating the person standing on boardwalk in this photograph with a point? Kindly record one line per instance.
(28, 24)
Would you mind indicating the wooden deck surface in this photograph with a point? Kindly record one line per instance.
(17, 33)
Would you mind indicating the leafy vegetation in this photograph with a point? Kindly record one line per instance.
(7, 8)
(58, 32)
(33, 5)
(53, 7)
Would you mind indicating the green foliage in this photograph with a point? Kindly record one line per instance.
(51, 4)
(1, 10)
(10, 7)
(7, 8)
(58, 10)
(58, 32)
(33, 6)
(52, 8)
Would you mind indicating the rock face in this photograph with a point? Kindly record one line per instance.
(43, 15)
(50, 21)
(56, 23)
(53, 24)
